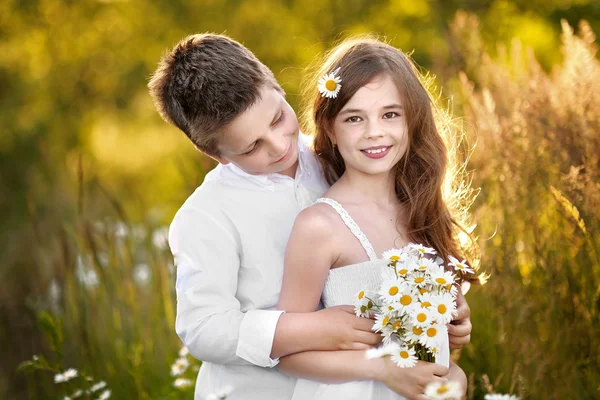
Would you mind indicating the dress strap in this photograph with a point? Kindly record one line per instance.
(362, 238)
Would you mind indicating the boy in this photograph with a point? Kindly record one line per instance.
(229, 237)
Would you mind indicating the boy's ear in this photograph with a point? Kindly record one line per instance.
(219, 159)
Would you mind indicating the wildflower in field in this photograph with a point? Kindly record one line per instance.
(104, 395)
(450, 390)
(160, 238)
(98, 386)
(404, 357)
(182, 383)
(141, 274)
(179, 367)
(497, 396)
(183, 352)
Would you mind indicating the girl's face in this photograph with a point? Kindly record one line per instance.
(371, 131)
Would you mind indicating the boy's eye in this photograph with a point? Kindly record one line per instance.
(251, 150)
(390, 114)
(353, 119)
(278, 120)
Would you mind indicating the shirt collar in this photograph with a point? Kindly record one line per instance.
(268, 181)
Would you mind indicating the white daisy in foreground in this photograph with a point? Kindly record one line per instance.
(421, 317)
(407, 300)
(329, 85)
(391, 290)
(433, 335)
(220, 394)
(381, 320)
(394, 255)
(419, 248)
(363, 306)
(419, 279)
(404, 357)
(442, 278)
(383, 351)
(414, 333)
(182, 383)
(443, 307)
(450, 390)
(461, 266)
(497, 396)
(426, 264)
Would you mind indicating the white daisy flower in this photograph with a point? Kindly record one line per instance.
(220, 394)
(329, 85)
(394, 255)
(404, 357)
(407, 300)
(382, 351)
(443, 307)
(421, 317)
(77, 394)
(497, 396)
(387, 333)
(98, 386)
(426, 265)
(432, 335)
(450, 288)
(443, 278)
(419, 279)
(449, 390)
(425, 299)
(419, 248)
(183, 352)
(104, 395)
(70, 374)
(413, 333)
(363, 306)
(391, 290)
(461, 266)
(179, 366)
(181, 383)
(381, 320)
(58, 378)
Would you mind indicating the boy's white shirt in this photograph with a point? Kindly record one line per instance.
(228, 240)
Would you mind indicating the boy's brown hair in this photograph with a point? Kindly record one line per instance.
(204, 83)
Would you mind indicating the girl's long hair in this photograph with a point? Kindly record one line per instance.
(436, 202)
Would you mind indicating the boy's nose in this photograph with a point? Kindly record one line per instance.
(279, 146)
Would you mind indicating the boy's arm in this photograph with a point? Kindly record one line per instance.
(209, 320)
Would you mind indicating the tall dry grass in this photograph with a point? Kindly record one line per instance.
(537, 162)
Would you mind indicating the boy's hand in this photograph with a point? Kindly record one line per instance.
(343, 330)
(459, 330)
(411, 382)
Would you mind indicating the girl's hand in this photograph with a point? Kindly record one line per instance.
(411, 382)
(459, 330)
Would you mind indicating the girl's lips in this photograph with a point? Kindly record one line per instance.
(377, 155)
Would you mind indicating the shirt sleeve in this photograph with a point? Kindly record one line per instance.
(209, 320)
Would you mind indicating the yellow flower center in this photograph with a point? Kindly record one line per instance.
(422, 267)
(421, 317)
(394, 258)
(385, 321)
(423, 291)
(417, 331)
(431, 332)
(330, 85)
(460, 266)
(361, 295)
(441, 281)
(448, 287)
(394, 290)
(442, 309)
(404, 354)
(390, 308)
(406, 300)
(396, 325)
(442, 389)
(425, 304)
(420, 279)
(403, 271)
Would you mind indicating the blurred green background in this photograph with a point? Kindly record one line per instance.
(90, 178)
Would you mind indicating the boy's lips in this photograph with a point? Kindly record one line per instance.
(286, 155)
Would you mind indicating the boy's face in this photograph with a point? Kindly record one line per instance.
(263, 139)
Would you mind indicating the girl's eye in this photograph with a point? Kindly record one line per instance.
(390, 114)
(353, 119)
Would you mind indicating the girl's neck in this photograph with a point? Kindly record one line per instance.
(378, 189)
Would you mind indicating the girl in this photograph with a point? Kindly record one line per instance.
(380, 149)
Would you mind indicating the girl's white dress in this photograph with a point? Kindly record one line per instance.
(341, 286)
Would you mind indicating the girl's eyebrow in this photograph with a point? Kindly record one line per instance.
(356, 110)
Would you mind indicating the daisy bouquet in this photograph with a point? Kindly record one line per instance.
(413, 304)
